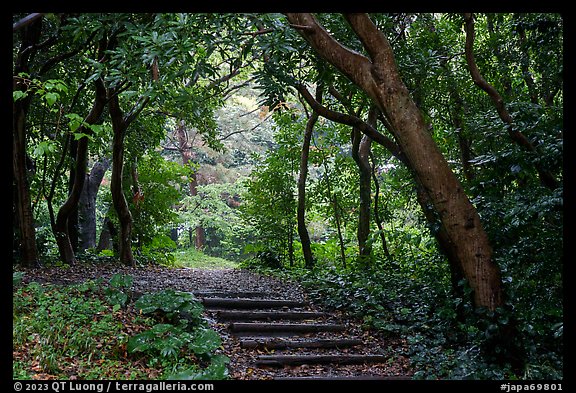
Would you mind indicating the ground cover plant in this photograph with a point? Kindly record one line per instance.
(95, 330)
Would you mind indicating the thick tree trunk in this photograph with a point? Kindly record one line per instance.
(23, 203)
(87, 204)
(26, 233)
(378, 76)
(301, 210)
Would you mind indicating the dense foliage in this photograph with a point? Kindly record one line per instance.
(94, 330)
(211, 159)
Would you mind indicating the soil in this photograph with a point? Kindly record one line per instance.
(243, 360)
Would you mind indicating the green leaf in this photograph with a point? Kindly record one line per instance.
(141, 342)
(17, 278)
(74, 122)
(206, 341)
(43, 148)
(115, 296)
(168, 301)
(51, 98)
(161, 329)
(217, 370)
(18, 95)
(119, 280)
(80, 135)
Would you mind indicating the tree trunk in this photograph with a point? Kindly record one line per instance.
(26, 233)
(360, 153)
(72, 222)
(119, 200)
(377, 218)
(120, 124)
(378, 76)
(200, 233)
(333, 200)
(61, 224)
(108, 235)
(87, 204)
(186, 152)
(301, 210)
(174, 235)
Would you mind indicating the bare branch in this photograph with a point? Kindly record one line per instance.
(301, 27)
(26, 21)
(259, 32)
(250, 112)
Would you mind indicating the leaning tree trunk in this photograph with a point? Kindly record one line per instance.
(378, 76)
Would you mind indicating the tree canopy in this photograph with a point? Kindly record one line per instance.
(414, 149)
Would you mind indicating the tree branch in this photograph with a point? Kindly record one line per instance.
(259, 32)
(26, 21)
(301, 27)
(351, 63)
(352, 121)
(63, 56)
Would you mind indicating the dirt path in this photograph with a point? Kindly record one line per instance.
(269, 328)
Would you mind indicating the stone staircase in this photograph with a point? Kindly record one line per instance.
(289, 338)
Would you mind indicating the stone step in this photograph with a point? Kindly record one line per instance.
(262, 328)
(347, 377)
(244, 315)
(276, 343)
(292, 360)
(245, 303)
(231, 294)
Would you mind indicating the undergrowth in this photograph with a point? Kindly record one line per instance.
(420, 308)
(97, 330)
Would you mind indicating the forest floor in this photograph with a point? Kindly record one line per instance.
(243, 361)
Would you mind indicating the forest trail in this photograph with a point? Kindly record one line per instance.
(268, 336)
(270, 329)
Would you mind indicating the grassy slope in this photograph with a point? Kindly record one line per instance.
(194, 259)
